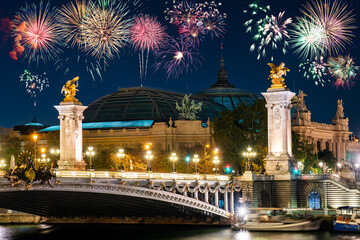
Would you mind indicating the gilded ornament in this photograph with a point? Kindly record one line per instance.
(69, 90)
(276, 74)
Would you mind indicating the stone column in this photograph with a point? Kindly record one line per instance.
(196, 194)
(71, 152)
(226, 204)
(206, 195)
(216, 198)
(279, 159)
(232, 201)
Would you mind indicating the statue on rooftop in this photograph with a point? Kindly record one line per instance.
(276, 74)
(340, 109)
(70, 89)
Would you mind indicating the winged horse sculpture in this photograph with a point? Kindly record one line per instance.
(276, 74)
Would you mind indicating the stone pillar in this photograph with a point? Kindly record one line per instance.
(71, 152)
(216, 198)
(226, 204)
(206, 195)
(279, 159)
(196, 194)
(232, 201)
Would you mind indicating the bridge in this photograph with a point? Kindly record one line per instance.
(132, 197)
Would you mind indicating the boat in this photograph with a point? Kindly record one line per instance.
(274, 220)
(347, 219)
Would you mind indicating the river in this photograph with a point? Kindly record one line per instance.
(148, 232)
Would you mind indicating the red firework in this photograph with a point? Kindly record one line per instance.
(147, 33)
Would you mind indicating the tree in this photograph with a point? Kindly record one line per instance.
(328, 158)
(235, 130)
(304, 152)
(188, 110)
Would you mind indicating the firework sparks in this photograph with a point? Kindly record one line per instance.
(271, 32)
(147, 34)
(326, 28)
(315, 70)
(177, 57)
(106, 30)
(71, 18)
(34, 84)
(307, 38)
(37, 32)
(196, 20)
(255, 9)
(343, 69)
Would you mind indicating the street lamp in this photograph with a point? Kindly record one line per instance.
(55, 153)
(196, 160)
(35, 137)
(173, 158)
(248, 154)
(216, 161)
(187, 160)
(121, 155)
(90, 152)
(2, 164)
(148, 158)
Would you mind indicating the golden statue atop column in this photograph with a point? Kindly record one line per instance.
(69, 90)
(276, 74)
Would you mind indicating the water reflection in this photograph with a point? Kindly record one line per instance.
(149, 232)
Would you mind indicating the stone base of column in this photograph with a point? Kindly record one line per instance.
(248, 176)
(279, 165)
(72, 165)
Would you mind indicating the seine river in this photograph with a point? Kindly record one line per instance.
(102, 231)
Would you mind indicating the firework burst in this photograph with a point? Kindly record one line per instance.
(177, 56)
(71, 19)
(196, 20)
(255, 10)
(147, 34)
(325, 29)
(271, 32)
(38, 32)
(106, 29)
(343, 69)
(315, 70)
(34, 84)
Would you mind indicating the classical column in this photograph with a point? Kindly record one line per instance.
(216, 198)
(71, 116)
(232, 201)
(71, 152)
(226, 204)
(196, 194)
(280, 157)
(206, 195)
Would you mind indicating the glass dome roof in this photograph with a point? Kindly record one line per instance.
(227, 94)
(141, 103)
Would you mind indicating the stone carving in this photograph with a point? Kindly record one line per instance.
(300, 105)
(276, 74)
(340, 109)
(69, 90)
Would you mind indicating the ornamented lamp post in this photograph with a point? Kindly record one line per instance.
(90, 152)
(35, 137)
(187, 160)
(196, 160)
(248, 154)
(71, 116)
(2, 164)
(279, 159)
(216, 162)
(148, 158)
(121, 155)
(173, 158)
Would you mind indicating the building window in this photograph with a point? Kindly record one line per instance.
(314, 200)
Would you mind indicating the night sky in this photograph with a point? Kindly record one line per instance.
(244, 71)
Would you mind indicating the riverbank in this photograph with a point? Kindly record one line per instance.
(19, 218)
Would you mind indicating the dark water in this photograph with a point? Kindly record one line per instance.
(148, 232)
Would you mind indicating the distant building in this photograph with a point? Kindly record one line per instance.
(334, 137)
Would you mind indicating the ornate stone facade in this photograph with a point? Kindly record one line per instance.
(333, 137)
